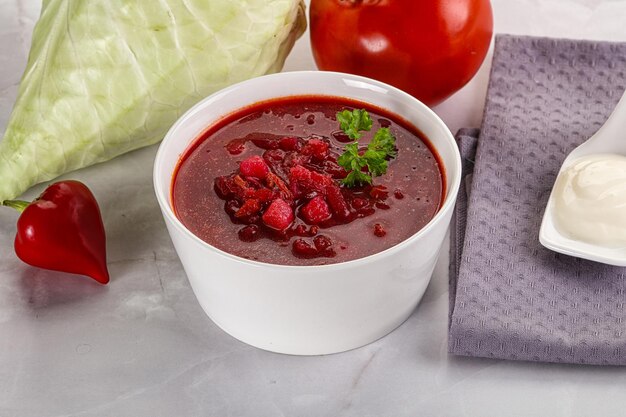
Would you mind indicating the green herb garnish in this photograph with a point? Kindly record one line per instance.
(353, 122)
(375, 158)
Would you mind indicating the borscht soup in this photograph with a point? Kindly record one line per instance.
(286, 182)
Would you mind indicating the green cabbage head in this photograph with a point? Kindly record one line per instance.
(105, 77)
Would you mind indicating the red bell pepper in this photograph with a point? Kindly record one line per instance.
(62, 230)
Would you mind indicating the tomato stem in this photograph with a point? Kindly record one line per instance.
(18, 205)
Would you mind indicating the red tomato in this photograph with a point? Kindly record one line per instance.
(428, 48)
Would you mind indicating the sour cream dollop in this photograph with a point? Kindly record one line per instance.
(590, 203)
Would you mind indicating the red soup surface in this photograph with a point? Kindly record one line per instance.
(264, 184)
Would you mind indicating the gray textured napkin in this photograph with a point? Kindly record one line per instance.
(511, 298)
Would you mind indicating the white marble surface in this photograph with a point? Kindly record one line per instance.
(142, 346)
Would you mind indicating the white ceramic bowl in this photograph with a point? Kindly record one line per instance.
(308, 310)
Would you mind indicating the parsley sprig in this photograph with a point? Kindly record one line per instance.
(375, 158)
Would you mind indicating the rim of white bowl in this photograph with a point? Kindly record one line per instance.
(166, 208)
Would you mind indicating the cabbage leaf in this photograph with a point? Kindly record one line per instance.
(105, 77)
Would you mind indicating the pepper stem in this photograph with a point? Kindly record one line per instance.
(18, 205)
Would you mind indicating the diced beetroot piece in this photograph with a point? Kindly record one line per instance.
(241, 188)
(299, 173)
(322, 242)
(294, 159)
(266, 143)
(382, 206)
(254, 219)
(365, 211)
(308, 180)
(334, 170)
(249, 207)
(249, 233)
(273, 156)
(302, 249)
(254, 166)
(317, 148)
(320, 181)
(278, 215)
(231, 207)
(337, 203)
(236, 146)
(379, 192)
(358, 203)
(289, 143)
(341, 137)
(295, 189)
(224, 187)
(379, 230)
(323, 248)
(264, 195)
(384, 122)
(299, 177)
(300, 230)
(398, 194)
(316, 211)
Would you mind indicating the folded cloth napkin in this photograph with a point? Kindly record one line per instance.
(511, 298)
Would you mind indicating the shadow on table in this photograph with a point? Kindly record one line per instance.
(44, 289)
(533, 369)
